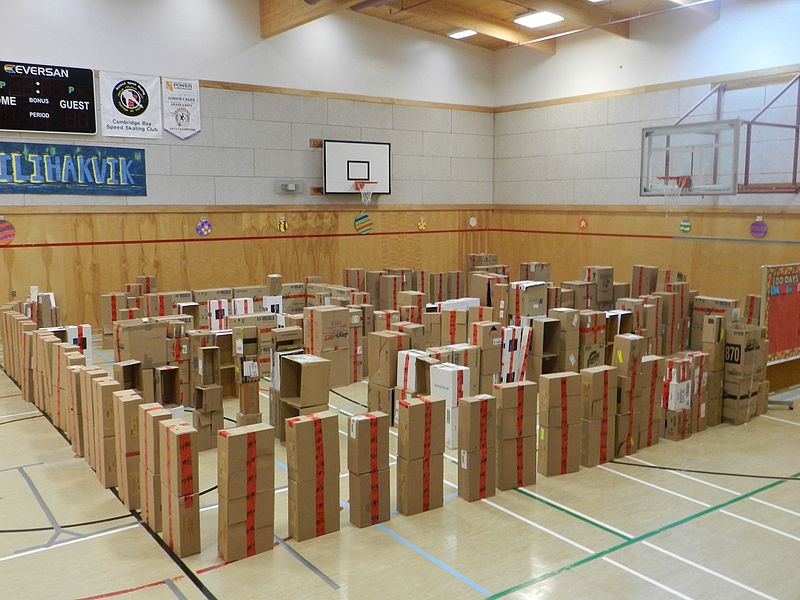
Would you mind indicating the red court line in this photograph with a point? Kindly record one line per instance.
(10, 395)
(130, 590)
(243, 238)
(587, 233)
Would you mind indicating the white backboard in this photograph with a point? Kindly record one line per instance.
(345, 163)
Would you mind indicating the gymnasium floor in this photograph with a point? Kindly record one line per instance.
(608, 532)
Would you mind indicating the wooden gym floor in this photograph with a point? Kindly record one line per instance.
(607, 532)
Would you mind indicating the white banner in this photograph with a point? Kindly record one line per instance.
(130, 105)
(181, 106)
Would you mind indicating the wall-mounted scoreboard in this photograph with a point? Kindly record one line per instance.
(46, 98)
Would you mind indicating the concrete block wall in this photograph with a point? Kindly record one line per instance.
(249, 140)
(589, 152)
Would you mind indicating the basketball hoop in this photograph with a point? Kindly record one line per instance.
(366, 189)
(674, 186)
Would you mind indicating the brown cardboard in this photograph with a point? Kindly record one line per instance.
(420, 427)
(129, 374)
(301, 441)
(477, 473)
(307, 517)
(627, 352)
(516, 409)
(411, 498)
(305, 379)
(150, 415)
(141, 339)
(178, 457)
(454, 326)
(370, 497)
(232, 541)
(368, 442)
(477, 423)
(383, 348)
(551, 460)
(181, 520)
(516, 462)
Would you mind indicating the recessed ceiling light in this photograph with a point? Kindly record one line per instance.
(460, 34)
(540, 18)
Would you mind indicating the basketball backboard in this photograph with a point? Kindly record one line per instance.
(707, 153)
(347, 164)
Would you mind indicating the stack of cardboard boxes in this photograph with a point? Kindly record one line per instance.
(248, 374)
(569, 338)
(413, 374)
(559, 423)
(592, 339)
(545, 343)
(477, 447)
(516, 434)
(126, 425)
(312, 451)
(704, 306)
(246, 488)
(383, 349)
(368, 465)
(534, 271)
(149, 416)
(628, 352)
(677, 399)
(714, 347)
(487, 336)
(526, 299)
(584, 294)
(180, 504)
(303, 388)
(651, 416)
(207, 413)
(326, 333)
(745, 359)
(420, 453)
(105, 458)
(451, 383)
(698, 371)
(598, 422)
(603, 278)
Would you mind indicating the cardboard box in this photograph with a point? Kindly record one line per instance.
(370, 497)
(380, 398)
(420, 484)
(238, 541)
(309, 438)
(487, 335)
(141, 339)
(559, 450)
(603, 277)
(182, 528)
(585, 293)
(368, 443)
(420, 428)
(390, 285)
(534, 271)
(677, 424)
(450, 382)
(454, 326)
(477, 473)
(246, 463)
(516, 462)
(599, 392)
(382, 350)
(326, 328)
(644, 280)
(598, 438)
(305, 379)
(178, 457)
(628, 350)
(516, 409)
(413, 370)
(415, 332)
(309, 518)
(477, 423)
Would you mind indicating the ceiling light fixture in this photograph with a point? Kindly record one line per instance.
(539, 18)
(460, 34)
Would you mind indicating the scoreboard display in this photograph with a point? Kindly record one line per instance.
(46, 98)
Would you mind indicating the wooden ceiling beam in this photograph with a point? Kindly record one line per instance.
(458, 16)
(279, 16)
(579, 11)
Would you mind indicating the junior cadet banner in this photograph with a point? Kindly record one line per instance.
(130, 105)
(181, 98)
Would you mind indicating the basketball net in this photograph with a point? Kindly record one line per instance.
(366, 189)
(673, 188)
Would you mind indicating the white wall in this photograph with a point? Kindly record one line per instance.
(220, 40)
(749, 35)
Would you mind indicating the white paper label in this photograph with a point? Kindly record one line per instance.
(200, 366)
(353, 428)
(575, 320)
(239, 346)
(572, 360)
(497, 341)
(464, 459)
(250, 368)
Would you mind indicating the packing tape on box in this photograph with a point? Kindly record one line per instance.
(320, 475)
(459, 386)
(517, 320)
(632, 399)
(484, 449)
(564, 426)
(452, 329)
(394, 293)
(520, 401)
(700, 386)
(604, 422)
(441, 286)
(252, 472)
(652, 403)
(426, 457)
(374, 496)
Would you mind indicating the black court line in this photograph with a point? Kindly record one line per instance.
(22, 419)
(332, 391)
(314, 569)
(70, 526)
(703, 472)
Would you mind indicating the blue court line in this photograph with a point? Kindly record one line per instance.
(458, 575)
(103, 354)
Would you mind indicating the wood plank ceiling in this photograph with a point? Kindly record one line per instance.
(493, 20)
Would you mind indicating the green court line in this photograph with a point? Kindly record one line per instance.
(572, 514)
(635, 540)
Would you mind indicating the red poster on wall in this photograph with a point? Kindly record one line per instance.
(781, 288)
